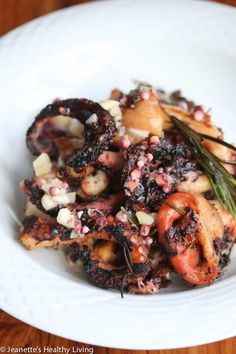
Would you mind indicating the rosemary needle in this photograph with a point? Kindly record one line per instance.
(222, 182)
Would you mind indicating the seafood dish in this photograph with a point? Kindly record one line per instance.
(134, 189)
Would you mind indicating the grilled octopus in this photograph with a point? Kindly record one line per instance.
(113, 253)
(123, 193)
(99, 129)
(154, 169)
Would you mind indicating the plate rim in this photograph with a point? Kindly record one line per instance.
(14, 32)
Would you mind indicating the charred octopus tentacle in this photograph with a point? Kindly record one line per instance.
(108, 277)
(189, 230)
(37, 232)
(151, 170)
(116, 254)
(108, 255)
(143, 279)
(98, 132)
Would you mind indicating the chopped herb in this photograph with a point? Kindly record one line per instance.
(128, 258)
(222, 182)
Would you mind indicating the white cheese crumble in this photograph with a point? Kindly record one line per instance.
(65, 218)
(65, 198)
(42, 164)
(50, 202)
(73, 234)
(144, 218)
(109, 104)
(113, 107)
(47, 202)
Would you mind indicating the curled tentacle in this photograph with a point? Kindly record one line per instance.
(188, 229)
(109, 251)
(142, 280)
(120, 260)
(39, 230)
(98, 132)
(115, 165)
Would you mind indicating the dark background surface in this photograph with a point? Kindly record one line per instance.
(15, 333)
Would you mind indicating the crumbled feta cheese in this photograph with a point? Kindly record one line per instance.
(47, 202)
(65, 198)
(113, 107)
(66, 218)
(42, 164)
(109, 104)
(144, 218)
(73, 234)
(115, 110)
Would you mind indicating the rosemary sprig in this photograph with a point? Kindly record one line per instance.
(218, 141)
(129, 264)
(128, 259)
(122, 285)
(226, 162)
(223, 183)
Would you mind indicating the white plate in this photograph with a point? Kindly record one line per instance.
(86, 51)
